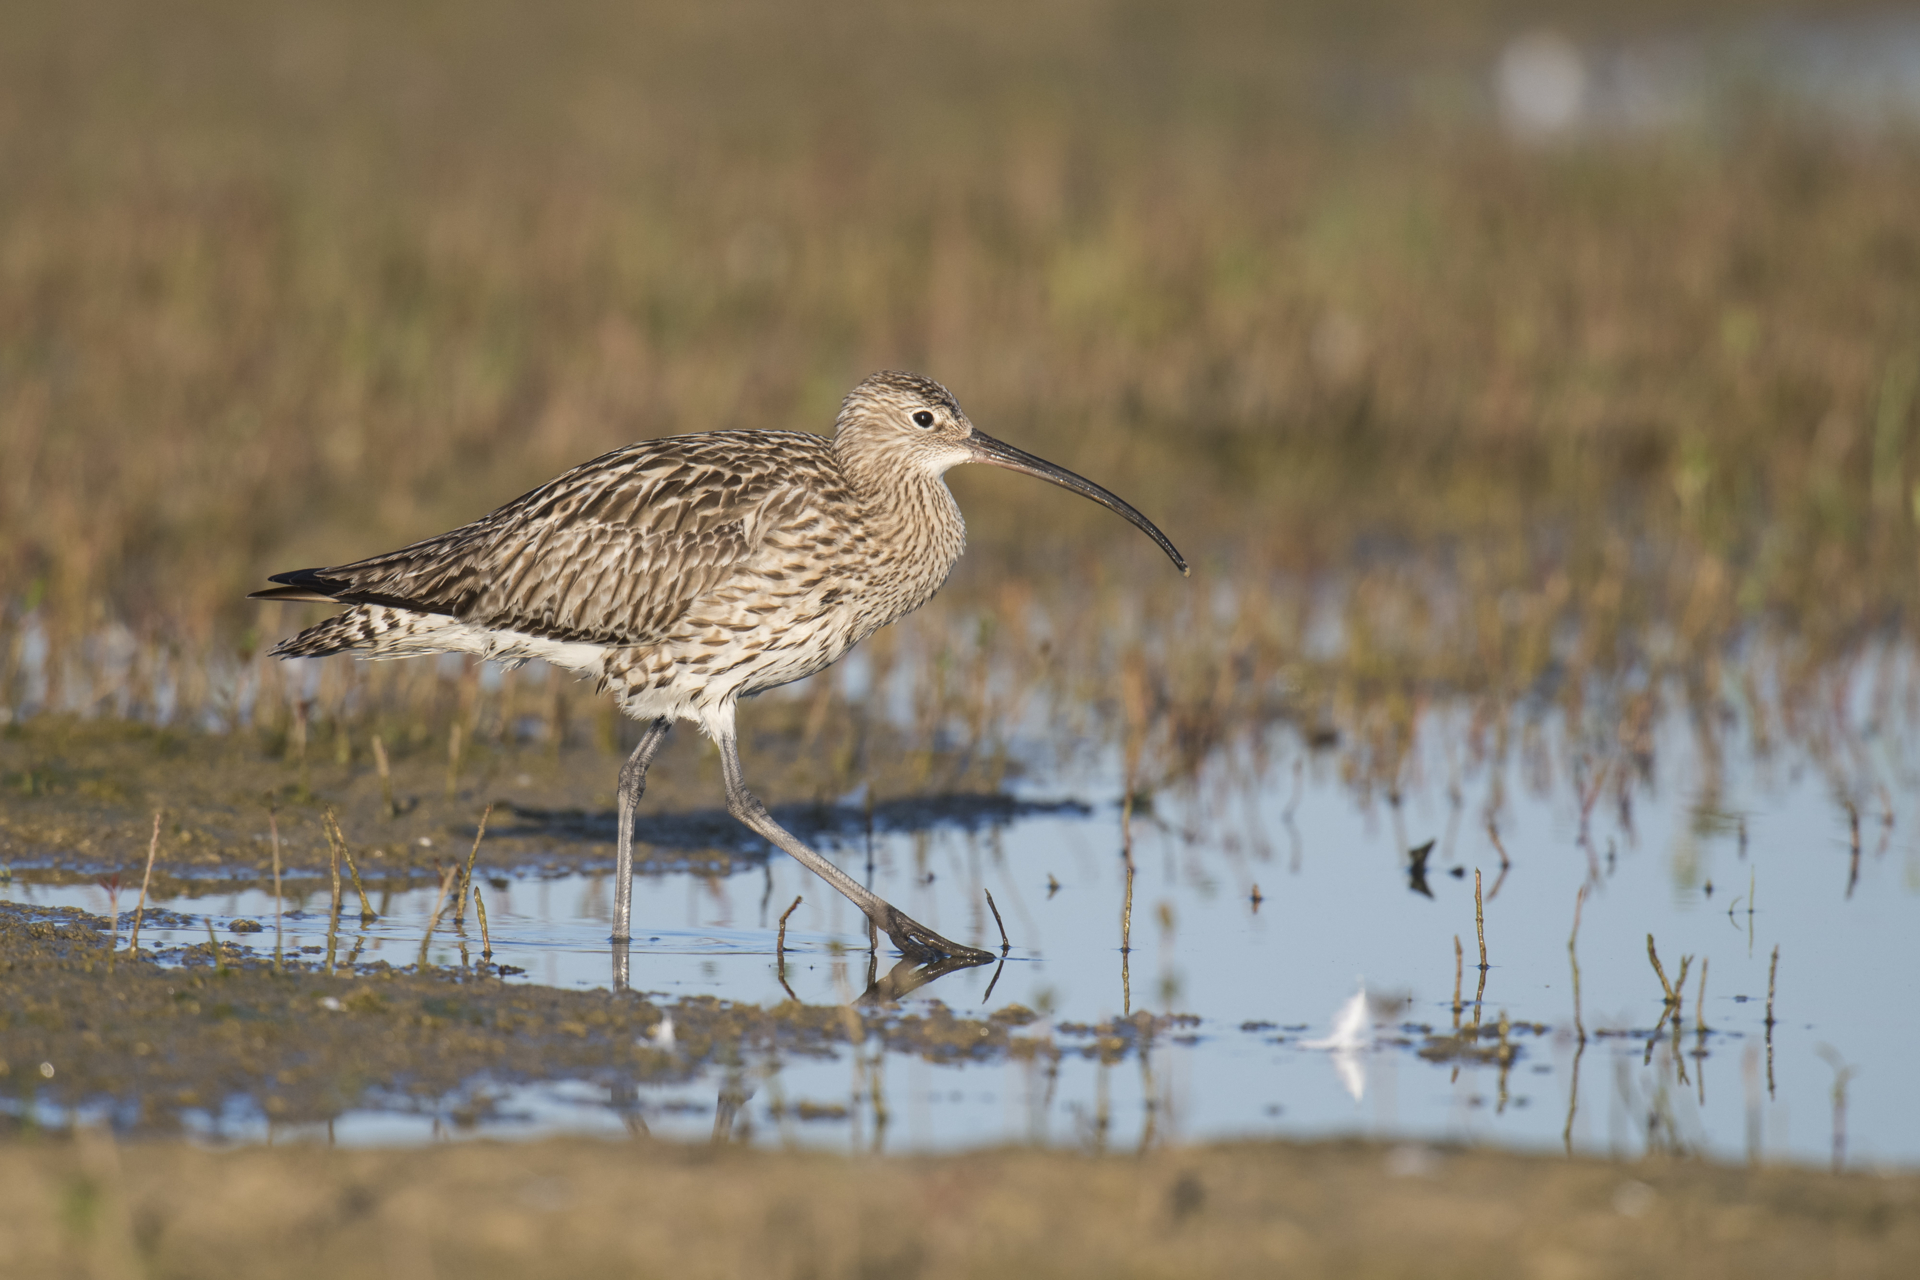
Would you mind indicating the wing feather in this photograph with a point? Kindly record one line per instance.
(613, 552)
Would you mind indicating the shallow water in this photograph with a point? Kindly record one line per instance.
(1724, 874)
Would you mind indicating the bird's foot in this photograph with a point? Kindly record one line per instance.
(921, 944)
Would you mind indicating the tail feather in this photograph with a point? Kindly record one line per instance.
(292, 593)
(369, 631)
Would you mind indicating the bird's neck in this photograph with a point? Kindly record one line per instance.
(912, 510)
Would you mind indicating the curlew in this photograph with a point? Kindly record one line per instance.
(686, 573)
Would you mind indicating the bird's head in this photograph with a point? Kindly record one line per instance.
(901, 422)
(904, 422)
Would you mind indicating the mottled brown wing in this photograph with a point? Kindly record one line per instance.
(613, 552)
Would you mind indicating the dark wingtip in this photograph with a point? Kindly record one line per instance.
(299, 584)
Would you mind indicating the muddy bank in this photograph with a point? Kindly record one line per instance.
(575, 1208)
(150, 1043)
(146, 1040)
(80, 798)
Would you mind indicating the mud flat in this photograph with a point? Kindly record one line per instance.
(152, 1038)
(80, 799)
(150, 1043)
(85, 1206)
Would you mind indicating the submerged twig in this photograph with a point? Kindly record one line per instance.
(1005, 946)
(153, 847)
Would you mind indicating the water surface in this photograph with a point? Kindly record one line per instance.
(1264, 898)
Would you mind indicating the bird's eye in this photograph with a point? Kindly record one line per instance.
(923, 418)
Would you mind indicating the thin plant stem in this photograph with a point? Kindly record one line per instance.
(439, 905)
(153, 847)
(466, 881)
(366, 908)
(480, 910)
(1005, 946)
(279, 936)
(1573, 956)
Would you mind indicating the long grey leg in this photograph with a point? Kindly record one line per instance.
(914, 939)
(633, 785)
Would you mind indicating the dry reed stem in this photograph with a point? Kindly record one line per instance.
(1853, 862)
(386, 778)
(1573, 956)
(447, 879)
(780, 939)
(333, 871)
(1126, 929)
(1459, 958)
(780, 948)
(480, 910)
(1700, 1001)
(466, 880)
(455, 735)
(1773, 971)
(1005, 946)
(333, 900)
(1479, 920)
(366, 906)
(1661, 972)
(273, 829)
(153, 847)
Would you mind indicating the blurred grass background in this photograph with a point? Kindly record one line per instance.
(1434, 405)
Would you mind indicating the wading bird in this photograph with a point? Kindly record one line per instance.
(686, 573)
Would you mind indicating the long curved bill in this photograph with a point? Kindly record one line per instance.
(996, 453)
